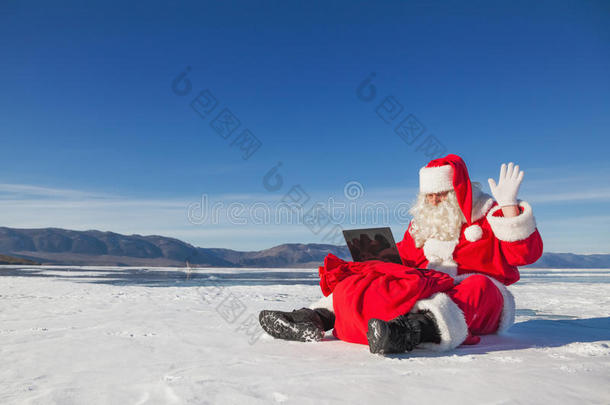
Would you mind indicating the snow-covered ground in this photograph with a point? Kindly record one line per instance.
(135, 336)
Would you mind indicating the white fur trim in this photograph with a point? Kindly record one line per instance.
(439, 250)
(507, 319)
(324, 302)
(458, 279)
(512, 229)
(448, 267)
(473, 233)
(449, 319)
(435, 179)
(440, 255)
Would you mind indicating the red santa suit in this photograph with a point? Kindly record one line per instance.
(465, 286)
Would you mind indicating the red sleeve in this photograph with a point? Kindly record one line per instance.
(523, 252)
(410, 255)
(519, 239)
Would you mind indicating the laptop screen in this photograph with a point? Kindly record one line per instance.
(372, 244)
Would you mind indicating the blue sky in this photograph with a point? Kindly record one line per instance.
(94, 137)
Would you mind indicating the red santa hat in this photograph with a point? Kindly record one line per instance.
(450, 173)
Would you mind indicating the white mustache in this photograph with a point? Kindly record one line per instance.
(442, 221)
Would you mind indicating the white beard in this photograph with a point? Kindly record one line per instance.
(441, 222)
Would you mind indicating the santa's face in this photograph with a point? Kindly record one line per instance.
(437, 216)
(436, 198)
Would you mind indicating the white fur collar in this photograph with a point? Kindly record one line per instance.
(439, 250)
(440, 255)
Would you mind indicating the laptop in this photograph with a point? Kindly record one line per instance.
(372, 244)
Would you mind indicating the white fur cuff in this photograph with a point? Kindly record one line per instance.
(449, 320)
(512, 229)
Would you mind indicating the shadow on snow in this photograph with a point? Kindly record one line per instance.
(533, 333)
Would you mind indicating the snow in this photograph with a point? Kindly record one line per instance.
(101, 335)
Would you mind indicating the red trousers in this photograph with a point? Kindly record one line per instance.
(481, 303)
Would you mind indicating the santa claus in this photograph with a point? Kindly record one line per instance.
(459, 253)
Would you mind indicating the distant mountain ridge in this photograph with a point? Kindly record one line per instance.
(4, 259)
(62, 246)
(573, 261)
(97, 248)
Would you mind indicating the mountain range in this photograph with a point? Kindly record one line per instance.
(96, 248)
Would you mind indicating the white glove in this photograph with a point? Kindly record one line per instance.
(505, 192)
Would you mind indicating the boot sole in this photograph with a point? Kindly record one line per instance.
(377, 334)
(274, 323)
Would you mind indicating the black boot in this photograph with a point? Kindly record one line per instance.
(304, 325)
(401, 334)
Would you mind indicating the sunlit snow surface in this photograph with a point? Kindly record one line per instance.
(89, 335)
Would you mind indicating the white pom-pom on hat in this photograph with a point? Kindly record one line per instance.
(473, 233)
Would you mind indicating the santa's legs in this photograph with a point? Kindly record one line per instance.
(478, 305)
